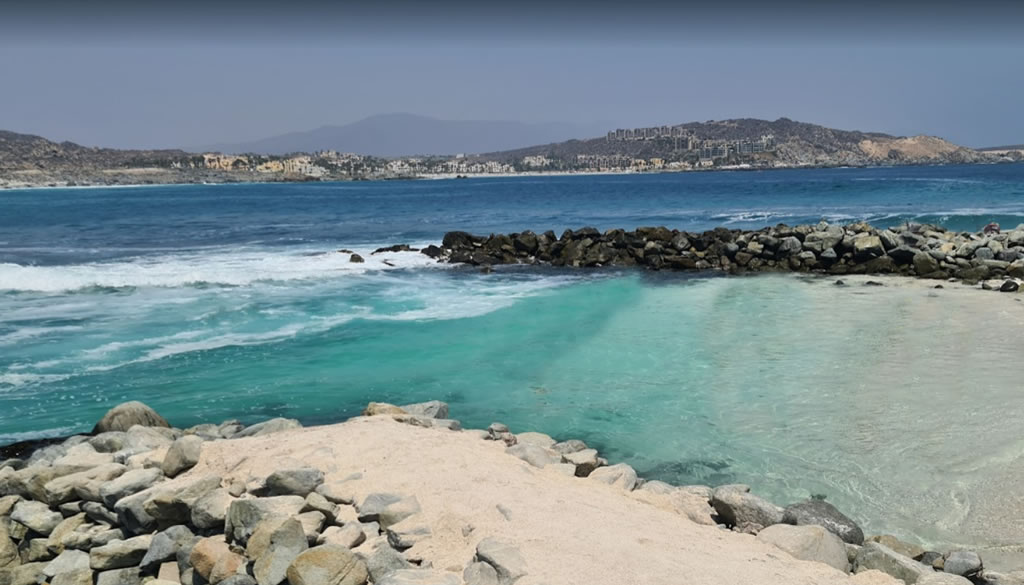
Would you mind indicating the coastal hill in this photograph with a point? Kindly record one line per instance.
(30, 161)
(793, 144)
(392, 135)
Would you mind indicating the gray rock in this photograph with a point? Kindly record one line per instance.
(619, 475)
(585, 461)
(294, 482)
(119, 554)
(480, 573)
(822, 513)
(37, 550)
(274, 425)
(327, 565)
(126, 576)
(97, 512)
(124, 416)
(110, 442)
(64, 489)
(286, 543)
(165, 546)
(130, 482)
(431, 409)
(867, 247)
(962, 562)
(76, 577)
(141, 439)
(944, 579)
(67, 561)
(349, 536)
(882, 558)
(209, 511)
(318, 503)
(397, 511)
(37, 516)
(83, 455)
(312, 523)
(505, 558)
(9, 556)
(807, 543)
(570, 446)
(383, 559)
(533, 454)
(66, 526)
(182, 456)
(408, 532)
(538, 439)
(26, 574)
(7, 504)
(238, 580)
(1009, 286)
(736, 506)
(925, 264)
(370, 508)
(419, 577)
(245, 514)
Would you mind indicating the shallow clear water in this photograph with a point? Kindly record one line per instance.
(898, 403)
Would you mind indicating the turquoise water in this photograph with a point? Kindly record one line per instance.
(211, 303)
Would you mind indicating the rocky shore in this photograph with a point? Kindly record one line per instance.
(404, 496)
(921, 250)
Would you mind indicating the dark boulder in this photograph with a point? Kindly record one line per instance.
(824, 514)
(396, 248)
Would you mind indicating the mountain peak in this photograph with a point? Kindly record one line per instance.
(403, 133)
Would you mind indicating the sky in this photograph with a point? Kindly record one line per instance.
(150, 74)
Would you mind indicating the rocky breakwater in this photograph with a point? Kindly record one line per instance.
(140, 502)
(926, 251)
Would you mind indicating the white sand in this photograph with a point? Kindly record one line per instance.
(569, 530)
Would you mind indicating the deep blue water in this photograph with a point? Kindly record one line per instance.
(230, 301)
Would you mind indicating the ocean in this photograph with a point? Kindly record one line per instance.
(213, 302)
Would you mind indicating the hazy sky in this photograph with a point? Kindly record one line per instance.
(208, 73)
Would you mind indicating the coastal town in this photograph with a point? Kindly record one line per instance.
(746, 144)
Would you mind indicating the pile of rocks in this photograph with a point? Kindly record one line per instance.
(120, 507)
(927, 251)
(124, 506)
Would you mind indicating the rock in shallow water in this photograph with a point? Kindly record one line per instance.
(822, 513)
(738, 507)
(962, 562)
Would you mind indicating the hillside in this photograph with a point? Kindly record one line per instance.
(796, 144)
(393, 135)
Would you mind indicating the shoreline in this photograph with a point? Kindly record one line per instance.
(455, 176)
(405, 491)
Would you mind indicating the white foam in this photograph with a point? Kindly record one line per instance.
(26, 333)
(239, 267)
(16, 380)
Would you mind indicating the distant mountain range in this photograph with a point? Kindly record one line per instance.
(392, 135)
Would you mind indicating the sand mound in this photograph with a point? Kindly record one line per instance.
(568, 529)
